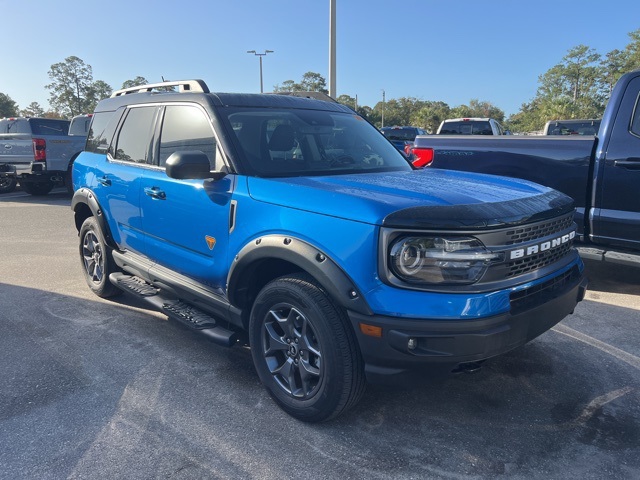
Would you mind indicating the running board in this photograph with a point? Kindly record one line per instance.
(188, 315)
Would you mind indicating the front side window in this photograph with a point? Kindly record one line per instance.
(135, 135)
(186, 127)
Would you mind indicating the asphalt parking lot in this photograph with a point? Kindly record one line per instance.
(91, 388)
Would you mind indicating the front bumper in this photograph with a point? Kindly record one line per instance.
(419, 347)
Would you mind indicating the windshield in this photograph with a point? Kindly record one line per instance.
(294, 142)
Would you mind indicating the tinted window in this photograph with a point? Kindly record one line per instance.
(568, 127)
(466, 128)
(135, 135)
(290, 142)
(402, 134)
(80, 126)
(186, 128)
(44, 126)
(101, 131)
(635, 119)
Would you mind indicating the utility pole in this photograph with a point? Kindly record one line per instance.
(383, 108)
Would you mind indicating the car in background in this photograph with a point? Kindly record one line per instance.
(470, 126)
(572, 127)
(401, 137)
(79, 125)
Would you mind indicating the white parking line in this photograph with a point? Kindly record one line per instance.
(605, 347)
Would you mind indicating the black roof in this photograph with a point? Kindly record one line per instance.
(267, 100)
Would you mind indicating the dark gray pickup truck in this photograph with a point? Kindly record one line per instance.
(601, 173)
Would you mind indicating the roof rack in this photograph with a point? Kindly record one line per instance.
(316, 95)
(197, 86)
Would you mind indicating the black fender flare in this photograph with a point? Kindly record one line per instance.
(302, 254)
(85, 198)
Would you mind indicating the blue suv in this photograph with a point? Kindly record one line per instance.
(293, 226)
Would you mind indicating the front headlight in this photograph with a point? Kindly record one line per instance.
(440, 260)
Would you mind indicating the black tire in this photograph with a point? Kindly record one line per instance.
(97, 262)
(68, 180)
(37, 188)
(8, 184)
(304, 350)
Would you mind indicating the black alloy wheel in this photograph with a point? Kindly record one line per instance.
(96, 259)
(304, 350)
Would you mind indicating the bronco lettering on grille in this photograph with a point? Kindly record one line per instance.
(541, 247)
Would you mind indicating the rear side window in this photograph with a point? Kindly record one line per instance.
(134, 139)
(45, 126)
(101, 131)
(186, 127)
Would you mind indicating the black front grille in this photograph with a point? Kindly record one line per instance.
(531, 232)
(531, 297)
(534, 262)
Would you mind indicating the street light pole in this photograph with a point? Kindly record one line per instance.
(260, 55)
(332, 48)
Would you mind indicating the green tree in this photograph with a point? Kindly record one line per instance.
(632, 52)
(287, 86)
(430, 115)
(314, 82)
(71, 83)
(8, 108)
(135, 82)
(311, 82)
(347, 100)
(33, 110)
(72, 88)
(96, 92)
(611, 69)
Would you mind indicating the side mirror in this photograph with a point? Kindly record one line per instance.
(189, 164)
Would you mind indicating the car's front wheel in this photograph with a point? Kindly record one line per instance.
(304, 351)
(96, 259)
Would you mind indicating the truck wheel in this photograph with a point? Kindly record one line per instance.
(8, 184)
(304, 351)
(96, 259)
(37, 188)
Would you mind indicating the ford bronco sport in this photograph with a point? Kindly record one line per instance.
(292, 225)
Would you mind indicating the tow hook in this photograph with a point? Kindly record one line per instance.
(469, 367)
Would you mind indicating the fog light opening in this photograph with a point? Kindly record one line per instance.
(412, 344)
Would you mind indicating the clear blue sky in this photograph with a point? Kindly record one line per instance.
(445, 50)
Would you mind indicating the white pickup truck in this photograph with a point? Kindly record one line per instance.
(39, 152)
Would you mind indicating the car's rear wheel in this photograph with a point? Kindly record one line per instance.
(37, 188)
(96, 259)
(304, 351)
(7, 184)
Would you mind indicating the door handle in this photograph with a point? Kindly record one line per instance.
(630, 163)
(104, 181)
(155, 192)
